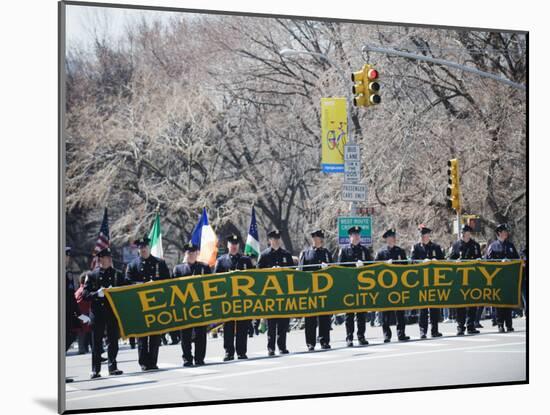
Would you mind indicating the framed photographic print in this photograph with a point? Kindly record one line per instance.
(265, 207)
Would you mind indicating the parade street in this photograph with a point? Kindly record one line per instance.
(448, 360)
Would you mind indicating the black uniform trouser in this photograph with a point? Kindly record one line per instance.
(104, 324)
(198, 336)
(504, 317)
(235, 336)
(148, 350)
(323, 322)
(276, 331)
(466, 316)
(400, 323)
(70, 337)
(361, 326)
(434, 319)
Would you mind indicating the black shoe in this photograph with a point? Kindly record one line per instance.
(423, 335)
(436, 334)
(509, 329)
(349, 343)
(199, 363)
(310, 348)
(473, 331)
(143, 368)
(270, 352)
(155, 367)
(242, 357)
(500, 329)
(115, 372)
(325, 346)
(387, 340)
(284, 351)
(478, 326)
(69, 380)
(460, 332)
(94, 375)
(363, 341)
(494, 322)
(251, 335)
(187, 364)
(403, 338)
(228, 357)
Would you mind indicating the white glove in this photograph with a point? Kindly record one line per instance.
(359, 263)
(505, 260)
(276, 266)
(389, 261)
(323, 265)
(84, 318)
(426, 260)
(100, 293)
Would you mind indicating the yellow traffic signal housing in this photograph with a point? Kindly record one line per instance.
(366, 87)
(453, 189)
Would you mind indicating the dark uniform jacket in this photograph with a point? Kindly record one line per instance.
(394, 253)
(429, 251)
(502, 250)
(465, 250)
(354, 253)
(312, 256)
(145, 270)
(196, 268)
(98, 278)
(270, 258)
(71, 307)
(228, 262)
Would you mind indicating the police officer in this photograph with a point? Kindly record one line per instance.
(147, 268)
(235, 333)
(392, 253)
(191, 266)
(72, 313)
(316, 254)
(355, 252)
(275, 257)
(426, 250)
(101, 314)
(466, 248)
(504, 250)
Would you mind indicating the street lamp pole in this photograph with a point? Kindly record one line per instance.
(350, 138)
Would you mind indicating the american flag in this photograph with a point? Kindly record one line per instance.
(103, 239)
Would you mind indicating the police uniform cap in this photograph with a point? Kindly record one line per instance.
(190, 247)
(142, 241)
(466, 228)
(424, 230)
(354, 229)
(233, 238)
(275, 233)
(389, 232)
(104, 252)
(319, 233)
(68, 250)
(502, 227)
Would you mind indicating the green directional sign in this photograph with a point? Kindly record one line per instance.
(346, 222)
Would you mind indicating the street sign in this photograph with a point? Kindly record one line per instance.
(352, 152)
(354, 192)
(352, 172)
(346, 222)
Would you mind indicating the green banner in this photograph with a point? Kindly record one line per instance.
(162, 306)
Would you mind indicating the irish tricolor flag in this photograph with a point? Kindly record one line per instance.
(252, 246)
(155, 238)
(205, 238)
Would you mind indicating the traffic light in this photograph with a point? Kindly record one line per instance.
(453, 190)
(366, 87)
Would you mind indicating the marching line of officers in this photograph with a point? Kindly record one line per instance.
(147, 268)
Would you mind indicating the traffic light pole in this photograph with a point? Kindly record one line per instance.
(445, 62)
